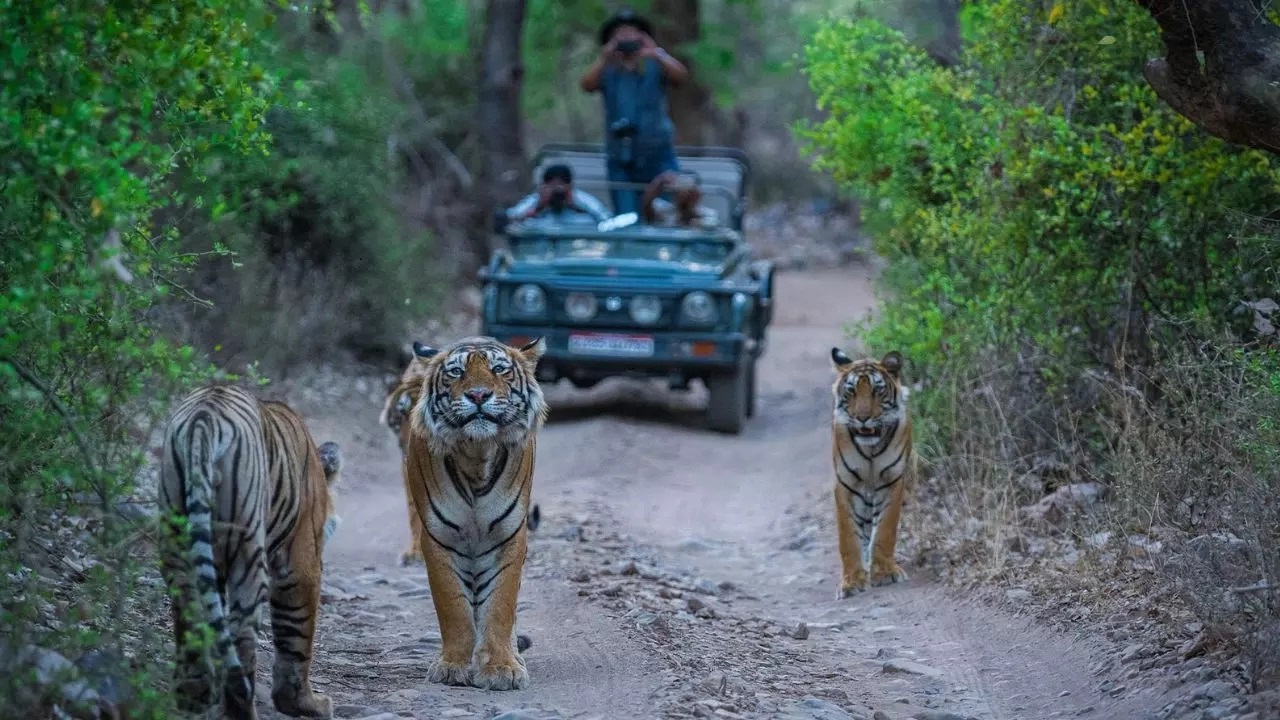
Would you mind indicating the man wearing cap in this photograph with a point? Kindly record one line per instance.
(558, 197)
(632, 75)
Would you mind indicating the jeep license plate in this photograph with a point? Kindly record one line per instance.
(618, 345)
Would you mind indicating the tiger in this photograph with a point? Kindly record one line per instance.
(873, 460)
(246, 498)
(468, 466)
(401, 397)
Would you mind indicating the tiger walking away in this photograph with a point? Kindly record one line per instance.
(468, 468)
(873, 459)
(246, 496)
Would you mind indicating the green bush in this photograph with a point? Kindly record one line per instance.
(100, 105)
(1038, 199)
(332, 230)
(1080, 279)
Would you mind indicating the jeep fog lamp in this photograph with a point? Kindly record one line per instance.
(646, 309)
(580, 306)
(528, 300)
(699, 307)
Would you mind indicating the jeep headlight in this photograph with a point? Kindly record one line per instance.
(646, 309)
(699, 308)
(580, 306)
(528, 299)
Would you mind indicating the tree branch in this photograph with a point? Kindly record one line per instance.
(1234, 93)
(58, 407)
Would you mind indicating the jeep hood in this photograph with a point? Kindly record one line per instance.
(628, 268)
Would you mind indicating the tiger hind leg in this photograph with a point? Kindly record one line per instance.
(295, 602)
(239, 689)
(245, 600)
(197, 679)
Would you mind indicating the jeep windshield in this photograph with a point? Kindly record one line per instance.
(675, 250)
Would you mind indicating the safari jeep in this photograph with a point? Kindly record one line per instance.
(623, 298)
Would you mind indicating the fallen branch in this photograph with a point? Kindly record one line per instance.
(81, 443)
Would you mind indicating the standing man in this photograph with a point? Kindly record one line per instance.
(632, 75)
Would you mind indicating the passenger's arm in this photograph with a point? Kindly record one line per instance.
(523, 209)
(591, 205)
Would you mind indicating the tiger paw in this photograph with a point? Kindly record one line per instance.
(887, 573)
(850, 585)
(501, 675)
(449, 673)
(412, 556)
(309, 704)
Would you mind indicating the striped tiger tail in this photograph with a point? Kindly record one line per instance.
(187, 502)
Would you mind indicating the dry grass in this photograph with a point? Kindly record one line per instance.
(1151, 495)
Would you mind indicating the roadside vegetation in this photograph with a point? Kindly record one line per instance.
(1084, 283)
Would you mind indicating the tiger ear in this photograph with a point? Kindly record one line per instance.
(841, 360)
(892, 362)
(534, 351)
(423, 351)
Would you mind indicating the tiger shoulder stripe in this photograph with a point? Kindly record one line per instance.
(245, 494)
(873, 460)
(402, 395)
(468, 461)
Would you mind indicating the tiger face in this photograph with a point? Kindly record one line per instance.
(480, 390)
(870, 399)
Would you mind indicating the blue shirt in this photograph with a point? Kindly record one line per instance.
(642, 98)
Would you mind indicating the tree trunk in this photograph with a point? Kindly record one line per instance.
(1235, 93)
(498, 113)
(677, 23)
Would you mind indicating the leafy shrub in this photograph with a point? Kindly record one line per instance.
(100, 104)
(1038, 201)
(1065, 254)
(332, 229)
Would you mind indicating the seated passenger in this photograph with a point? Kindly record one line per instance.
(686, 211)
(556, 198)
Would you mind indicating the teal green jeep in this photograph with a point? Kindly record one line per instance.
(623, 298)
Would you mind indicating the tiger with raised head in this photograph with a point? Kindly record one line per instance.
(245, 496)
(872, 455)
(468, 463)
(401, 397)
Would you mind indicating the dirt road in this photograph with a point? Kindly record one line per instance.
(674, 565)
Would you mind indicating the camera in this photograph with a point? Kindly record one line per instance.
(559, 196)
(628, 47)
(624, 130)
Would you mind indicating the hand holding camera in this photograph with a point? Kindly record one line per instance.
(625, 48)
(556, 197)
